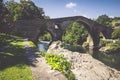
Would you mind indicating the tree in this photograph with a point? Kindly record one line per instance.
(46, 36)
(1, 5)
(116, 34)
(105, 20)
(5, 19)
(75, 34)
(24, 10)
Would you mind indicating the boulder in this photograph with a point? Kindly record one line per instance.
(84, 66)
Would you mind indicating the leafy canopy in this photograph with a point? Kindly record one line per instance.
(24, 10)
(75, 34)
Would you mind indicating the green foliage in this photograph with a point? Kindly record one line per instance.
(105, 42)
(17, 72)
(4, 14)
(105, 20)
(114, 47)
(13, 60)
(46, 37)
(58, 62)
(33, 46)
(110, 45)
(117, 24)
(75, 34)
(42, 53)
(116, 34)
(7, 39)
(24, 10)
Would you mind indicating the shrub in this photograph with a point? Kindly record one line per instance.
(46, 37)
(117, 24)
(75, 34)
(58, 62)
(104, 42)
(114, 47)
(116, 34)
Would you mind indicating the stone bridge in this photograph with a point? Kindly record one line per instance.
(33, 28)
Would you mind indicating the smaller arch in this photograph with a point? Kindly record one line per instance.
(41, 36)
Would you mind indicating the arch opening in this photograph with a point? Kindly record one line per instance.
(75, 34)
(93, 29)
(44, 36)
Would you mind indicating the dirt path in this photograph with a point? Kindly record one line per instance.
(41, 70)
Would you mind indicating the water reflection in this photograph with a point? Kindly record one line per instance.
(112, 60)
(75, 48)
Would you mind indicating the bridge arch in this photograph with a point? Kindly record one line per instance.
(57, 27)
(92, 27)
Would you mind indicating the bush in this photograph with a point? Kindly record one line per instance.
(111, 46)
(104, 42)
(114, 47)
(75, 34)
(58, 62)
(117, 24)
(116, 34)
(46, 37)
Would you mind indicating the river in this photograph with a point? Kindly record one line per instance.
(112, 60)
(43, 45)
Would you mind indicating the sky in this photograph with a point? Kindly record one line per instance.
(87, 8)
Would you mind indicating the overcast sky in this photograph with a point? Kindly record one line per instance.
(87, 8)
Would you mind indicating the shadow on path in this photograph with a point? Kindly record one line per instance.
(40, 69)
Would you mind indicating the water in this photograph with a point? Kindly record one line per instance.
(43, 45)
(112, 60)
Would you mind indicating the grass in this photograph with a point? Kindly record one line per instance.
(17, 72)
(13, 60)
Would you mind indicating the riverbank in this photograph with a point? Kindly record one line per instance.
(84, 66)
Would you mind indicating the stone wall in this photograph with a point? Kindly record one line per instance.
(28, 28)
